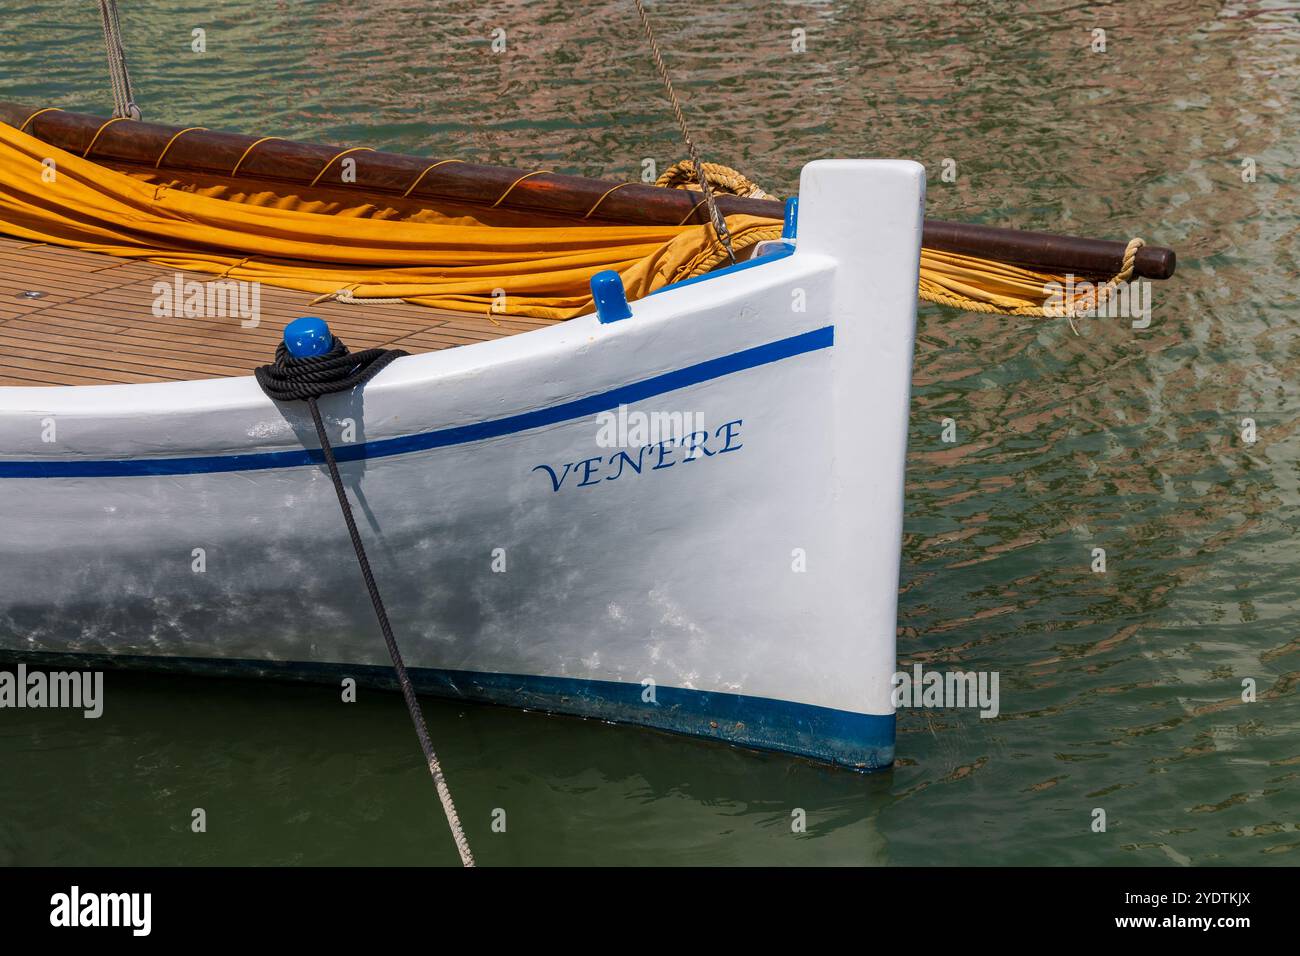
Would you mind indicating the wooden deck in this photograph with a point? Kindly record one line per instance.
(95, 325)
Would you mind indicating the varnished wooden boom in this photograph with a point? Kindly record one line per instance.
(550, 194)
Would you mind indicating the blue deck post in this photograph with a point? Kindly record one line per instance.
(611, 299)
(308, 336)
(790, 228)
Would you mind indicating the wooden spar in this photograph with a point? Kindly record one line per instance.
(136, 143)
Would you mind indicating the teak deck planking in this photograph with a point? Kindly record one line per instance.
(95, 323)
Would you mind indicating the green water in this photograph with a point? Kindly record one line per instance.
(1120, 691)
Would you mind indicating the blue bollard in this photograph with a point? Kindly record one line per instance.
(611, 300)
(308, 336)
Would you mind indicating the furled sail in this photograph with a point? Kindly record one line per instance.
(358, 244)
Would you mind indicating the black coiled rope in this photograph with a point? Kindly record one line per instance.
(288, 379)
(338, 370)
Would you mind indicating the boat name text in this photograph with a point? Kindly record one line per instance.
(647, 458)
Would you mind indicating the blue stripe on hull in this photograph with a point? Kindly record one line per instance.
(856, 741)
(458, 435)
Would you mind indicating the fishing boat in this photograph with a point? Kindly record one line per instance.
(626, 471)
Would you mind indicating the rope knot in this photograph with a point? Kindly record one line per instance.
(338, 370)
(723, 179)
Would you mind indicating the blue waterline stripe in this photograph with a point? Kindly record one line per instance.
(458, 435)
(854, 740)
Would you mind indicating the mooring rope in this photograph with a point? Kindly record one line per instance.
(719, 223)
(338, 370)
(118, 77)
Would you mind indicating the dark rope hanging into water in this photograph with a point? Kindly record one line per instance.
(338, 370)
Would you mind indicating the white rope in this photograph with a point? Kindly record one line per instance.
(347, 298)
(449, 809)
(123, 101)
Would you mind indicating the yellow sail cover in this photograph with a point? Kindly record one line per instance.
(49, 195)
(325, 246)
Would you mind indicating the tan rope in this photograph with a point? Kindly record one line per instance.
(536, 172)
(1099, 294)
(347, 295)
(179, 133)
(95, 139)
(724, 179)
(233, 266)
(691, 215)
(36, 114)
(596, 205)
(718, 255)
(252, 146)
(428, 169)
(354, 149)
(955, 301)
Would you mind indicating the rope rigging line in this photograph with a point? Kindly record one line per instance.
(124, 105)
(715, 215)
(724, 179)
(290, 378)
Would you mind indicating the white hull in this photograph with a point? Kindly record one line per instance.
(682, 574)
